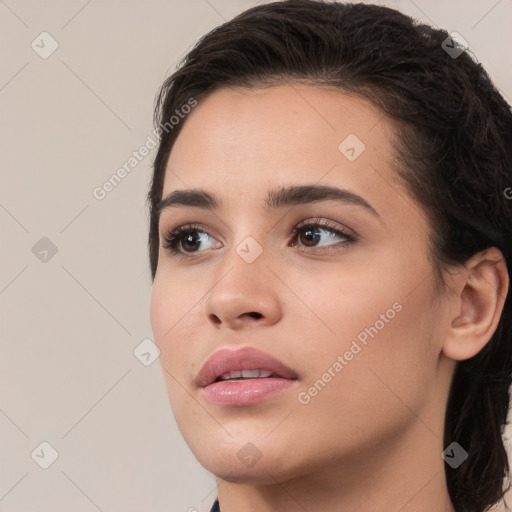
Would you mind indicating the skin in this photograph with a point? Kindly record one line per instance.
(372, 438)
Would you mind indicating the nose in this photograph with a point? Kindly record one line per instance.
(243, 295)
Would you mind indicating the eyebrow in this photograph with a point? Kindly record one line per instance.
(276, 198)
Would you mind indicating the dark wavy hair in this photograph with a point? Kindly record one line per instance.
(453, 153)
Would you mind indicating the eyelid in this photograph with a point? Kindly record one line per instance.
(197, 226)
(323, 222)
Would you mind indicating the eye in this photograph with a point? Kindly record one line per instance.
(193, 238)
(311, 232)
(186, 239)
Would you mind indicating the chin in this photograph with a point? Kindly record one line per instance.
(264, 474)
(234, 464)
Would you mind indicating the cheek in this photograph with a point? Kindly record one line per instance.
(161, 311)
(173, 303)
(155, 311)
(381, 331)
(388, 359)
(168, 321)
(168, 317)
(336, 306)
(177, 315)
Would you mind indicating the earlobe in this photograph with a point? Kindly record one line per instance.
(483, 289)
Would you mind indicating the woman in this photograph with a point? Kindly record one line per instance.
(330, 230)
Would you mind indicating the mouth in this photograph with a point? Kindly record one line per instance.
(243, 376)
(227, 391)
(242, 364)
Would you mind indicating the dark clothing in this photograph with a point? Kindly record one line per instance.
(215, 507)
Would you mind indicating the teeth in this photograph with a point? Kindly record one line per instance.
(247, 374)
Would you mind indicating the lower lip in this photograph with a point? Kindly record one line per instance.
(245, 392)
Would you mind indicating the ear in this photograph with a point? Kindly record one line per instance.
(481, 292)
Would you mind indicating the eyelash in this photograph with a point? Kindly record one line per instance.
(173, 238)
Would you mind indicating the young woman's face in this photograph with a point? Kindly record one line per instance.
(349, 304)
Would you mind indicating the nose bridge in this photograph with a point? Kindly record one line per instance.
(247, 248)
(244, 265)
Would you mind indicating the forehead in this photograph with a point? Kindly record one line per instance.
(251, 140)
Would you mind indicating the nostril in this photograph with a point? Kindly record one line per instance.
(215, 319)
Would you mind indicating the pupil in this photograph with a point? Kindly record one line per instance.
(312, 236)
(190, 239)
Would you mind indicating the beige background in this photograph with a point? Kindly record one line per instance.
(68, 374)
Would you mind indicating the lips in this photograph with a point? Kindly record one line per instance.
(245, 358)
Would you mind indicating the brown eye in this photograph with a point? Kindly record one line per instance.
(186, 240)
(312, 235)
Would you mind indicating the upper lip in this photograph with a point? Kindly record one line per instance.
(246, 358)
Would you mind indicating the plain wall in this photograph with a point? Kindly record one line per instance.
(70, 321)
